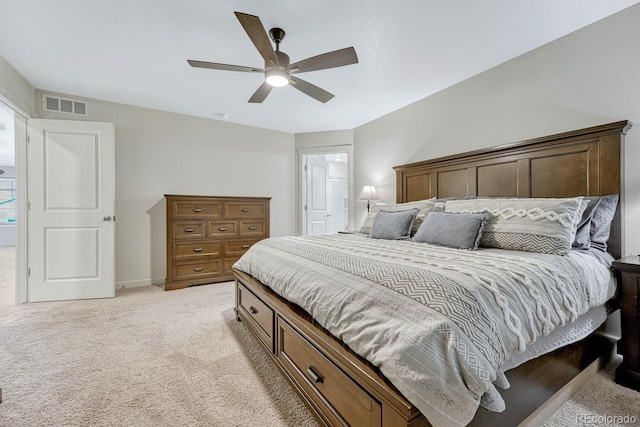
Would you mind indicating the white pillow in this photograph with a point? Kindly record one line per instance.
(424, 206)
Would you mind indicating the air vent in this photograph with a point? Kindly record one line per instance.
(64, 105)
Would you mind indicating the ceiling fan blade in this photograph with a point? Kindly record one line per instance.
(337, 58)
(260, 94)
(310, 89)
(256, 32)
(226, 67)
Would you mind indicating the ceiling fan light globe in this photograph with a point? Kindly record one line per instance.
(277, 77)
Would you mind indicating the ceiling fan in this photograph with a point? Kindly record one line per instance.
(277, 70)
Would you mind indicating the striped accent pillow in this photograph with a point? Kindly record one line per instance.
(531, 225)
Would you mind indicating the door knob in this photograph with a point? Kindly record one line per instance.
(106, 218)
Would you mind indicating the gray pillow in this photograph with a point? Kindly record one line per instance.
(425, 207)
(393, 225)
(455, 230)
(601, 221)
(583, 232)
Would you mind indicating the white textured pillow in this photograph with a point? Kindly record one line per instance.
(531, 225)
(424, 206)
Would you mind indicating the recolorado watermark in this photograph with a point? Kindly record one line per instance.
(600, 419)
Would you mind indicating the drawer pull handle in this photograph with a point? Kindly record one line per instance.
(315, 375)
(189, 230)
(253, 228)
(198, 269)
(222, 229)
(197, 249)
(253, 310)
(245, 210)
(245, 246)
(197, 210)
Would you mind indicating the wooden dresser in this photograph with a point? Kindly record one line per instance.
(206, 235)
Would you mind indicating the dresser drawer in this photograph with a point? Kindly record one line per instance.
(223, 228)
(245, 210)
(259, 312)
(341, 399)
(196, 270)
(252, 228)
(183, 251)
(228, 265)
(189, 230)
(237, 247)
(197, 209)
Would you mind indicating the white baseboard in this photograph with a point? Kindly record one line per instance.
(139, 283)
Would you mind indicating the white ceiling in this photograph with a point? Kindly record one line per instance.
(135, 52)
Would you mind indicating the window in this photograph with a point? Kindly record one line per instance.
(7, 201)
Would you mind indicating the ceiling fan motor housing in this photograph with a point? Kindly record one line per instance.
(283, 61)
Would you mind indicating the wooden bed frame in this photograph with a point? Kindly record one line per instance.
(348, 390)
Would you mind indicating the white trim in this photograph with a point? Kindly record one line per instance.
(20, 123)
(20, 134)
(14, 107)
(140, 283)
(301, 177)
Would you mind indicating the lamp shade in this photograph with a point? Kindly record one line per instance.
(368, 193)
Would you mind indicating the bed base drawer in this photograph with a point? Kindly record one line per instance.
(258, 315)
(342, 401)
(348, 390)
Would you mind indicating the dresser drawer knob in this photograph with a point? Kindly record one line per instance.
(189, 230)
(197, 210)
(245, 210)
(315, 375)
(197, 249)
(253, 228)
(246, 246)
(253, 310)
(198, 269)
(222, 229)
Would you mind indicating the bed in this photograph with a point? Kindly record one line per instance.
(347, 368)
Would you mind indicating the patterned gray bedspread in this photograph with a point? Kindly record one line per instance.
(438, 322)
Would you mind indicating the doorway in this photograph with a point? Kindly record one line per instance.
(8, 199)
(325, 193)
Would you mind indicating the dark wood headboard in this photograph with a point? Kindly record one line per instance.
(585, 162)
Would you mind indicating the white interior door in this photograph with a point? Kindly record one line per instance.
(338, 205)
(317, 203)
(71, 193)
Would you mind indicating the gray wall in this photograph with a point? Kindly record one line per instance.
(161, 153)
(587, 78)
(15, 88)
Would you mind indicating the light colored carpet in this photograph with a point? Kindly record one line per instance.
(155, 358)
(144, 358)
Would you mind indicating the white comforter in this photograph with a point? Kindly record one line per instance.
(439, 323)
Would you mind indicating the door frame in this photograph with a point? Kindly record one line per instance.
(20, 118)
(301, 187)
